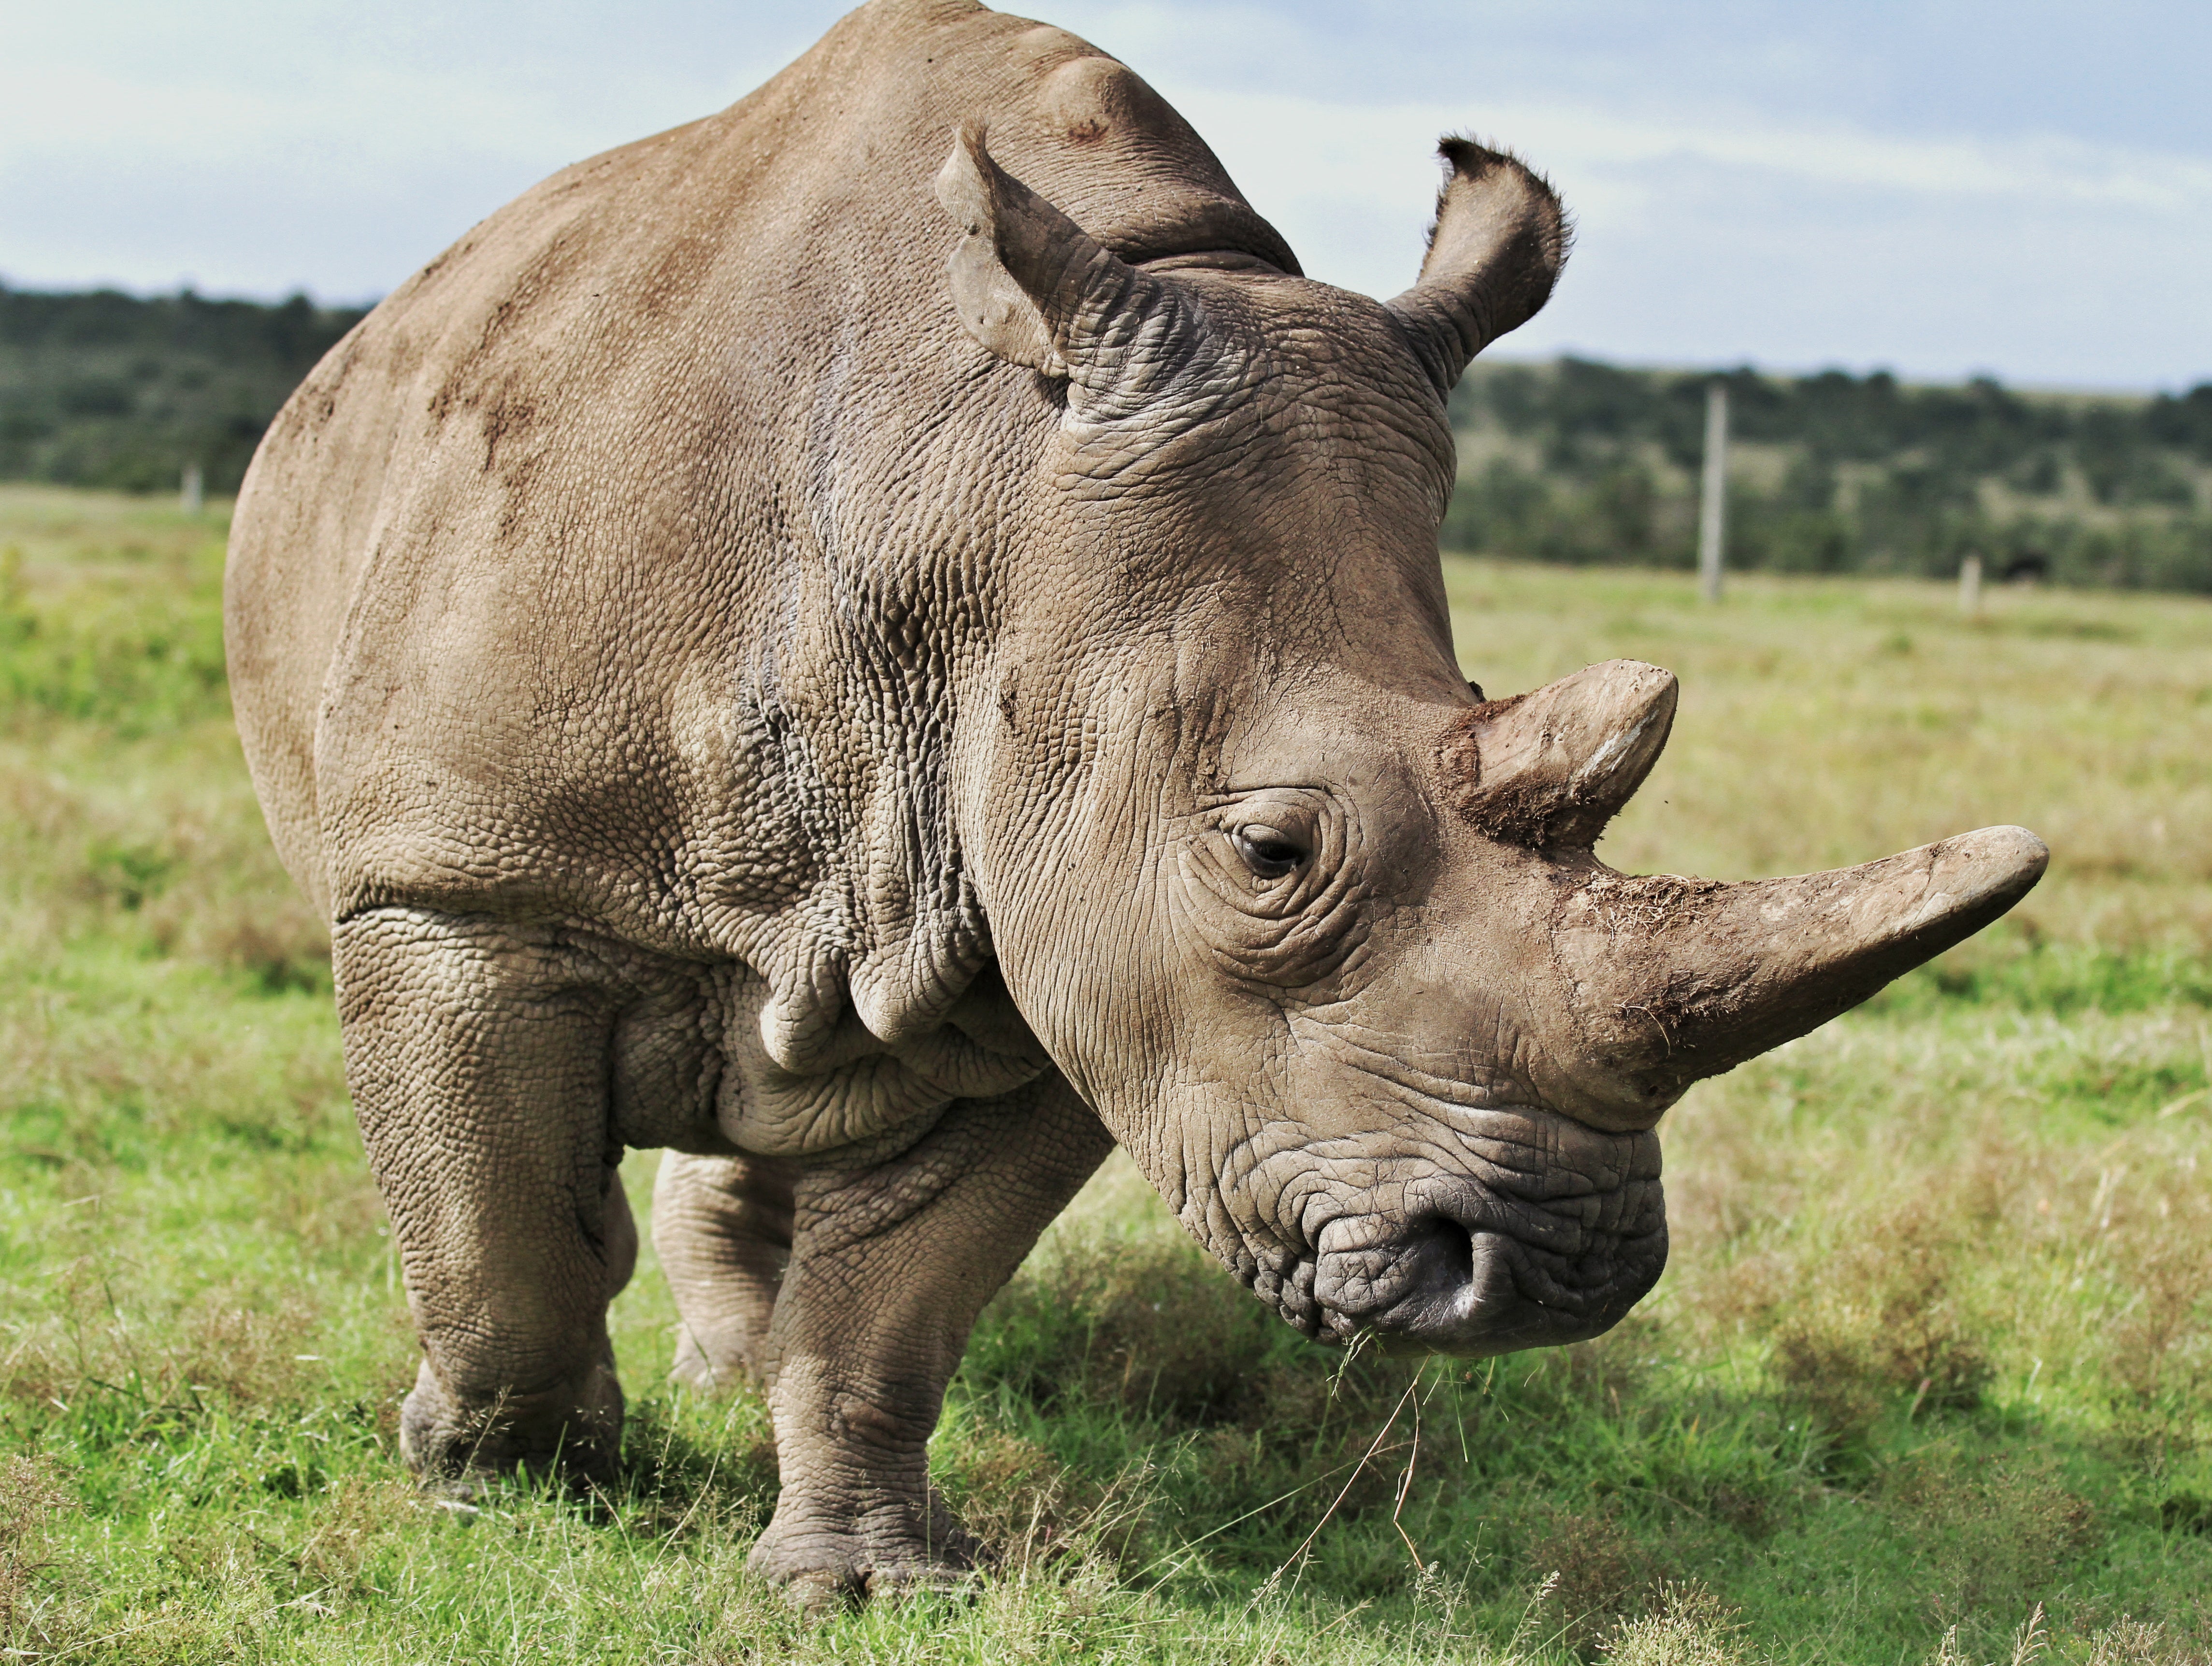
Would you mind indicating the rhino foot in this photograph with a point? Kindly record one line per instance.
(824, 1566)
(575, 1431)
(713, 1370)
(722, 1228)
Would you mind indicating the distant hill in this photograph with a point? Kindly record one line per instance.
(1580, 462)
(1572, 461)
(108, 390)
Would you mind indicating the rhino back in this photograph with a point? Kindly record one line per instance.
(624, 563)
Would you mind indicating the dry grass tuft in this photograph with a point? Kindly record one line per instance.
(1687, 1625)
(32, 1494)
(1880, 1326)
(1602, 1571)
(1023, 1503)
(2129, 1642)
(1161, 1332)
(1037, 1515)
(357, 1516)
(1990, 1531)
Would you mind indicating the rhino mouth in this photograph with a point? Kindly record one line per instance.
(1486, 1260)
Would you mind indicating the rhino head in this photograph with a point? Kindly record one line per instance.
(1317, 930)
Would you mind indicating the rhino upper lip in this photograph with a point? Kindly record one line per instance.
(1487, 1246)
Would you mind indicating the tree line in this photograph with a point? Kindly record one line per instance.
(1571, 461)
(1581, 462)
(109, 390)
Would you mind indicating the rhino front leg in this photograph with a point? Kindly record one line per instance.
(891, 1263)
(722, 1228)
(476, 1052)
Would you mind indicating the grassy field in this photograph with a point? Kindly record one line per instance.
(1927, 1381)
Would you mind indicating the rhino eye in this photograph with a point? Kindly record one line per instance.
(1268, 851)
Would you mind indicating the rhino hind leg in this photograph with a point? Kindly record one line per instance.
(891, 1263)
(475, 1053)
(722, 1226)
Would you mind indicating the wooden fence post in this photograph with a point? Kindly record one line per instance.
(189, 494)
(1712, 520)
(1970, 585)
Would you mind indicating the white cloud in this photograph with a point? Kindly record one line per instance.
(1305, 151)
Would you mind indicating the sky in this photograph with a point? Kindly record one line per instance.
(1942, 188)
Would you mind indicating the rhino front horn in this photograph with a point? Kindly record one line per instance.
(1679, 979)
(1551, 768)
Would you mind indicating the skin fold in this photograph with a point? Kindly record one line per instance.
(886, 640)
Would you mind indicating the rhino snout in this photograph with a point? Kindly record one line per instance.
(1461, 1269)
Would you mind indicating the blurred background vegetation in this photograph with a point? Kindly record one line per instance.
(108, 390)
(1587, 464)
(1572, 462)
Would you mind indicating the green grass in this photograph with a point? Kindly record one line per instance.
(1927, 1380)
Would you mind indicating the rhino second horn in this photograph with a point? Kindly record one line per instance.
(1554, 767)
(1681, 979)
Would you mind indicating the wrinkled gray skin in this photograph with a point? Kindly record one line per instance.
(885, 679)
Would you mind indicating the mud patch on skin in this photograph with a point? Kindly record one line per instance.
(1631, 910)
(1627, 903)
(1459, 764)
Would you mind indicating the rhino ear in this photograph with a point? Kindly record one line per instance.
(1038, 289)
(1499, 241)
(990, 203)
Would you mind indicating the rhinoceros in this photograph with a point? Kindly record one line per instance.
(884, 679)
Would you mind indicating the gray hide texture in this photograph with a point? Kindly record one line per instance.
(887, 639)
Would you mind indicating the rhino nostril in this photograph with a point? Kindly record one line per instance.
(1448, 1249)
